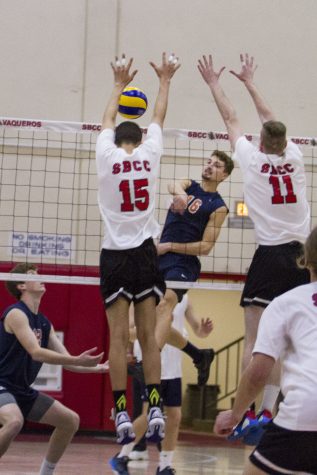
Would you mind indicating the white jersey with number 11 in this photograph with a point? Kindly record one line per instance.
(275, 193)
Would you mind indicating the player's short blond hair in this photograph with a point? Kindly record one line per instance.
(273, 137)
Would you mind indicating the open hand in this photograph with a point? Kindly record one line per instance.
(168, 67)
(121, 71)
(248, 68)
(206, 69)
(205, 328)
(87, 359)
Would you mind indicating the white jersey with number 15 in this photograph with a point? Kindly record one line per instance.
(126, 189)
(275, 193)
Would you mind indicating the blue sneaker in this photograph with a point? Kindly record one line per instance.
(256, 432)
(248, 421)
(119, 465)
(124, 428)
(156, 425)
(166, 471)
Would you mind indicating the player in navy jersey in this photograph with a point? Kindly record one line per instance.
(275, 194)
(192, 226)
(127, 170)
(27, 340)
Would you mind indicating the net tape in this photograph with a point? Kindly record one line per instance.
(87, 127)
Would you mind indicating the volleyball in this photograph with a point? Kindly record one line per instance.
(132, 103)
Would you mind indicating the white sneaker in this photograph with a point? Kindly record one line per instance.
(124, 428)
(139, 455)
(156, 425)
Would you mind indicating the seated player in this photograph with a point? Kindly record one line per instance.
(27, 340)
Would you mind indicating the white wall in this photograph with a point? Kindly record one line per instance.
(55, 56)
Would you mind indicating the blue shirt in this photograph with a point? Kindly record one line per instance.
(189, 226)
(17, 368)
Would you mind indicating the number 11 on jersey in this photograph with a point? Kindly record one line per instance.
(277, 197)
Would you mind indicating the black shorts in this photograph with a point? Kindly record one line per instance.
(133, 274)
(32, 404)
(171, 392)
(273, 271)
(282, 451)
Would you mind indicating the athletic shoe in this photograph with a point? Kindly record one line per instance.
(264, 417)
(156, 425)
(166, 471)
(248, 421)
(139, 455)
(256, 432)
(119, 465)
(203, 366)
(124, 428)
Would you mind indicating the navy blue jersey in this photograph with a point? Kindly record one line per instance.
(189, 226)
(17, 369)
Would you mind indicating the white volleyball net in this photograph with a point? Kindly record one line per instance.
(48, 202)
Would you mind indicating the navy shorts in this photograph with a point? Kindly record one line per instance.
(179, 268)
(282, 451)
(32, 404)
(171, 392)
(133, 274)
(273, 271)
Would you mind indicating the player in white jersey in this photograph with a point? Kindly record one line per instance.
(127, 172)
(275, 194)
(288, 330)
(171, 383)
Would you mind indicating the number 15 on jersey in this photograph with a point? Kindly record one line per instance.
(134, 195)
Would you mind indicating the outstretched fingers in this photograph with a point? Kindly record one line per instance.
(170, 64)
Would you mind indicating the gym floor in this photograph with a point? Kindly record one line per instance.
(88, 455)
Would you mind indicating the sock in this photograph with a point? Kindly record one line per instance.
(193, 352)
(120, 400)
(154, 394)
(47, 468)
(166, 459)
(270, 394)
(126, 450)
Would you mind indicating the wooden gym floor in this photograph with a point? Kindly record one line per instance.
(200, 454)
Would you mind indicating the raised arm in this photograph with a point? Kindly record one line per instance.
(198, 248)
(180, 198)
(165, 72)
(227, 111)
(246, 75)
(122, 77)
